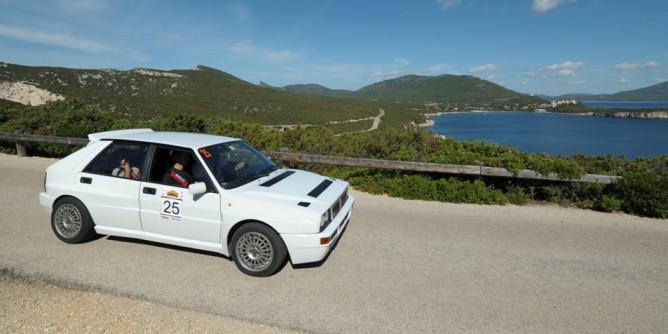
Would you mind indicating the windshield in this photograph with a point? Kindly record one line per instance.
(236, 163)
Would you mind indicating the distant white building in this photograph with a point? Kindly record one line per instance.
(556, 103)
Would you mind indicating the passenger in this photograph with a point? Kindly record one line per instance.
(177, 175)
(125, 170)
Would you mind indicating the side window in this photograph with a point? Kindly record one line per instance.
(172, 167)
(120, 160)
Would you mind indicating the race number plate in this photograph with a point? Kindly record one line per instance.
(171, 204)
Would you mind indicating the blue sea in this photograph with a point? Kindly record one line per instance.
(559, 134)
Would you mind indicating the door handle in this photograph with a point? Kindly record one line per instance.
(86, 180)
(150, 191)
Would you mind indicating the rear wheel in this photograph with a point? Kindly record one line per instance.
(258, 250)
(71, 221)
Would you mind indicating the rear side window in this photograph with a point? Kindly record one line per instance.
(124, 160)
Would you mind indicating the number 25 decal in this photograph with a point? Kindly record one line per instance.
(171, 207)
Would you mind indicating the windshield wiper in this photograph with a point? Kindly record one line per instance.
(268, 170)
(264, 172)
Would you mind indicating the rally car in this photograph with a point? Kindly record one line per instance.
(199, 191)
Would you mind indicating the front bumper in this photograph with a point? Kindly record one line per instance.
(46, 201)
(307, 248)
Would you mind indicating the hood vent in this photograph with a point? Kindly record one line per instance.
(320, 188)
(277, 179)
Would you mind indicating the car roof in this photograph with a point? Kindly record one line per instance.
(183, 139)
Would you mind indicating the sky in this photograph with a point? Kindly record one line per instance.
(547, 47)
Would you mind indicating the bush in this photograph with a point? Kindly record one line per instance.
(609, 204)
(644, 194)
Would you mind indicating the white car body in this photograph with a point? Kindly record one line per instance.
(290, 202)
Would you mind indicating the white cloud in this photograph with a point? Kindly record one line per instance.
(490, 77)
(55, 39)
(488, 67)
(577, 82)
(542, 6)
(622, 81)
(565, 73)
(246, 49)
(568, 65)
(629, 67)
(447, 4)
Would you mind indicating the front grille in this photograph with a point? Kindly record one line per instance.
(339, 204)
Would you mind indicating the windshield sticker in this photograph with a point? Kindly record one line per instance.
(205, 153)
(171, 204)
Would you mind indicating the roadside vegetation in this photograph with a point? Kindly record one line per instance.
(643, 189)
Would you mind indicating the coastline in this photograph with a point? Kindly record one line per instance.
(658, 115)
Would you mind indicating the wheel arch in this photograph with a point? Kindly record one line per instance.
(66, 196)
(238, 225)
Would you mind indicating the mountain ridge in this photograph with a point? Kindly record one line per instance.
(658, 92)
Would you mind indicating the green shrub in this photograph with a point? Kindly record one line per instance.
(609, 204)
(644, 194)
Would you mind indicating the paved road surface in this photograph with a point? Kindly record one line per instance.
(401, 267)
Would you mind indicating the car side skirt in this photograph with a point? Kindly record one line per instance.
(125, 233)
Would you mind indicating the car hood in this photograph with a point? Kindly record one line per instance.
(299, 187)
(292, 200)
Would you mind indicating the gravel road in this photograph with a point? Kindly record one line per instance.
(30, 306)
(400, 267)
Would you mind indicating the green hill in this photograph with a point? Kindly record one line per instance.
(146, 94)
(314, 89)
(417, 89)
(149, 94)
(658, 92)
(442, 88)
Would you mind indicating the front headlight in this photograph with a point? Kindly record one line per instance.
(325, 220)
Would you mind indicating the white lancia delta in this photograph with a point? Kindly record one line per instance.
(199, 191)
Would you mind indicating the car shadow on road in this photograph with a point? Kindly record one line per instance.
(218, 255)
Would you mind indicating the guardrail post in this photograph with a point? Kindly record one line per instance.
(20, 145)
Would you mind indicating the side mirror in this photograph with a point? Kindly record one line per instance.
(197, 188)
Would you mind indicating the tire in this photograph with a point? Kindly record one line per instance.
(258, 250)
(71, 221)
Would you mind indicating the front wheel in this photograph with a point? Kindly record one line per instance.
(71, 221)
(258, 250)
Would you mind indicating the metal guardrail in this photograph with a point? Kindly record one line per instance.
(411, 166)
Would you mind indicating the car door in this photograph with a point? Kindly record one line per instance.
(112, 200)
(171, 211)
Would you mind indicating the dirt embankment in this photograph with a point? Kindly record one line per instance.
(38, 307)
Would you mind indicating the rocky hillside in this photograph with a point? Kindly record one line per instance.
(146, 93)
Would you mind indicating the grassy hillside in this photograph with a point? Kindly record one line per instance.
(415, 89)
(147, 94)
(314, 89)
(442, 88)
(658, 92)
